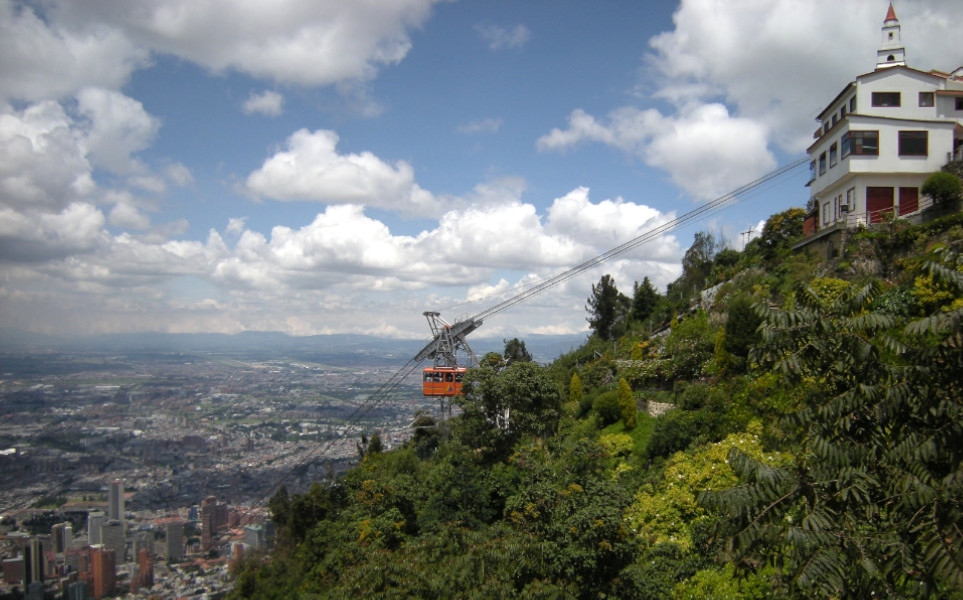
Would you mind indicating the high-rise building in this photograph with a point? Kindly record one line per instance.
(113, 537)
(115, 501)
(208, 521)
(103, 570)
(34, 567)
(35, 591)
(142, 540)
(95, 520)
(254, 536)
(62, 537)
(77, 591)
(13, 570)
(174, 549)
(145, 571)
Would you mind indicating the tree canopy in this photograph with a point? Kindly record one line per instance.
(607, 308)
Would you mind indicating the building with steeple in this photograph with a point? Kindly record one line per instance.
(881, 137)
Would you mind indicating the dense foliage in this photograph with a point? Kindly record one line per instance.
(811, 449)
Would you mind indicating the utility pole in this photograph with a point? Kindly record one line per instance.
(747, 236)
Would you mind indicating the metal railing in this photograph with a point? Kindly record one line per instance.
(879, 216)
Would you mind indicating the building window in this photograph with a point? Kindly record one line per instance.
(852, 104)
(822, 163)
(912, 143)
(886, 99)
(835, 120)
(826, 213)
(825, 128)
(850, 200)
(959, 104)
(812, 171)
(842, 112)
(926, 98)
(833, 155)
(863, 143)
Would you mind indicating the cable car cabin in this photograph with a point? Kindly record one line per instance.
(443, 381)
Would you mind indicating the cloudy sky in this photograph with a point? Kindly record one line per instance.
(327, 166)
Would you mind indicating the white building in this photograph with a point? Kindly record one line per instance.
(882, 136)
(95, 520)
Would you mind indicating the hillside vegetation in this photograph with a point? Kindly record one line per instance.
(808, 445)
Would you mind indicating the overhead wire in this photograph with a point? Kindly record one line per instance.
(693, 215)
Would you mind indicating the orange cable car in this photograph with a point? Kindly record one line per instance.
(442, 381)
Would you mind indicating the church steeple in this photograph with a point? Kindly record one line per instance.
(891, 52)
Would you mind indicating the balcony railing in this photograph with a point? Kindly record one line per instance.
(878, 216)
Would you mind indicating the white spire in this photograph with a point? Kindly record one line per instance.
(891, 52)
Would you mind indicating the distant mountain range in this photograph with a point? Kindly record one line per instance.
(543, 348)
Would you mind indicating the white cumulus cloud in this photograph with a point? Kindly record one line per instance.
(117, 127)
(310, 168)
(268, 103)
(43, 58)
(706, 151)
(42, 159)
(296, 41)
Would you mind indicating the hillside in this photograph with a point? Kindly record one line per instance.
(808, 444)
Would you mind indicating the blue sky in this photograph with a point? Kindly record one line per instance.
(329, 167)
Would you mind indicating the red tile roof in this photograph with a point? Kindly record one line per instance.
(890, 14)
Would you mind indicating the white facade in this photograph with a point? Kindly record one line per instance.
(881, 137)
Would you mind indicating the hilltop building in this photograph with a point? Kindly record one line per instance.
(881, 137)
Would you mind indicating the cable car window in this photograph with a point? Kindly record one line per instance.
(448, 377)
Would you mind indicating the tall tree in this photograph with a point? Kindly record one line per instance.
(515, 351)
(630, 413)
(607, 308)
(697, 260)
(644, 300)
(741, 330)
(575, 389)
(696, 268)
(501, 406)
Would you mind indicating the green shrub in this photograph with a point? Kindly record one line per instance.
(607, 406)
(627, 406)
(942, 187)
